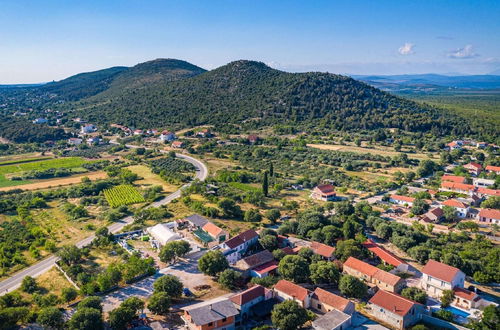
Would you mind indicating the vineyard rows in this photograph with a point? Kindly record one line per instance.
(123, 195)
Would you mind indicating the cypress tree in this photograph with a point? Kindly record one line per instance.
(265, 184)
(271, 170)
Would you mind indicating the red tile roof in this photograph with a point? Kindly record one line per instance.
(291, 289)
(493, 168)
(288, 250)
(248, 295)
(177, 144)
(454, 203)
(473, 165)
(490, 213)
(266, 268)
(372, 271)
(458, 186)
(212, 229)
(453, 178)
(241, 238)
(326, 189)
(464, 294)
(403, 198)
(392, 302)
(490, 192)
(322, 249)
(440, 271)
(382, 253)
(438, 212)
(331, 299)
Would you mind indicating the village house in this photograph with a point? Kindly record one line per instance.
(94, 140)
(217, 233)
(453, 178)
(435, 215)
(195, 221)
(263, 258)
(323, 250)
(387, 257)
(481, 145)
(75, 141)
(473, 168)
(246, 300)
(493, 169)
(326, 301)
(489, 216)
(402, 200)
(177, 144)
(324, 192)
(253, 139)
(373, 275)
(167, 136)
(485, 192)
(462, 188)
(88, 128)
(479, 182)
(453, 145)
(437, 277)
(219, 314)
(40, 121)
(333, 320)
(235, 247)
(461, 208)
(286, 290)
(466, 299)
(205, 133)
(397, 311)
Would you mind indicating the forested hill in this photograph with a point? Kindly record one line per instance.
(247, 90)
(114, 79)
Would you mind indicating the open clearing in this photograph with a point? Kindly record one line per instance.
(151, 179)
(56, 182)
(375, 151)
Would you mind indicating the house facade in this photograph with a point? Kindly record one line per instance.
(489, 216)
(324, 192)
(326, 301)
(211, 316)
(387, 257)
(461, 208)
(473, 168)
(286, 290)
(236, 247)
(402, 200)
(438, 277)
(245, 300)
(217, 233)
(373, 275)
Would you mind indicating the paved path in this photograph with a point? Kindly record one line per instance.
(46, 264)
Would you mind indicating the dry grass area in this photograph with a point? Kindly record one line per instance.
(383, 151)
(216, 164)
(151, 179)
(53, 281)
(55, 183)
(369, 176)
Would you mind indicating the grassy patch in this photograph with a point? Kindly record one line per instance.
(243, 186)
(151, 179)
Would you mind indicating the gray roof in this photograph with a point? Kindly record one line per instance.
(197, 220)
(330, 320)
(255, 260)
(212, 312)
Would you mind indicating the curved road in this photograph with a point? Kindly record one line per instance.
(41, 267)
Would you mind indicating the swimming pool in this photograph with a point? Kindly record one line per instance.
(457, 311)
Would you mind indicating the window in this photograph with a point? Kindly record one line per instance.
(442, 283)
(319, 306)
(210, 324)
(224, 319)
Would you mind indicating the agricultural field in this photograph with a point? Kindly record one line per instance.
(18, 166)
(150, 179)
(53, 183)
(123, 195)
(382, 151)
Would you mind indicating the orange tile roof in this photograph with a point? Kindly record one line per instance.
(360, 266)
(453, 178)
(493, 168)
(382, 253)
(386, 277)
(326, 189)
(440, 271)
(454, 203)
(490, 213)
(464, 294)
(212, 229)
(459, 186)
(392, 302)
(267, 267)
(248, 295)
(322, 249)
(292, 289)
(403, 198)
(473, 165)
(490, 192)
(331, 299)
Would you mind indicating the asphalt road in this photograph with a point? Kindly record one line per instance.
(46, 264)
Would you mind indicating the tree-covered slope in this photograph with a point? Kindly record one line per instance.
(246, 90)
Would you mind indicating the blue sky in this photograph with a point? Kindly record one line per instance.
(50, 40)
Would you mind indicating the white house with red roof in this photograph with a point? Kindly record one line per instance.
(437, 277)
(397, 311)
(493, 169)
(372, 275)
(453, 178)
(463, 188)
(387, 257)
(286, 290)
(489, 216)
(324, 192)
(453, 145)
(402, 200)
(462, 209)
(486, 192)
(473, 168)
(244, 301)
(326, 301)
(235, 247)
(466, 299)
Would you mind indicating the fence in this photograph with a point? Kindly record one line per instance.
(442, 324)
(67, 276)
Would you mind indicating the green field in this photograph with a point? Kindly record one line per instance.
(243, 186)
(19, 166)
(25, 160)
(123, 195)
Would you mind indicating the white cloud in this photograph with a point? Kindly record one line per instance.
(406, 49)
(463, 53)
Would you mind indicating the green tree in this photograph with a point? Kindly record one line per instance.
(169, 284)
(265, 184)
(324, 272)
(294, 268)
(252, 215)
(415, 294)
(229, 208)
(50, 317)
(449, 213)
(352, 287)
(419, 207)
(230, 279)
(91, 302)
(70, 254)
(271, 170)
(348, 248)
(288, 315)
(212, 263)
(173, 250)
(120, 318)
(492, 202)
(269, 242)
(69, 294)
(29, 284)
(133, 303)
(447, 298)
(86, 318)
(351, 228)
(159, 303)
(491, 317)
(273, 215)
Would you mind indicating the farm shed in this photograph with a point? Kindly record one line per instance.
(163, 234)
